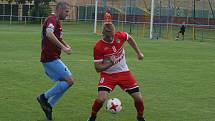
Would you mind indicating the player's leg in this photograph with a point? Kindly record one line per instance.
(182, 33)
(98, 103)
(56, 70)
(177, 37)
(138, 102)
(53, 100)
(67, 82)
(129, 84)
(57, 91)
(139, 105)
(105, 86)
(46, 107)
(63, 74)
(42, 99)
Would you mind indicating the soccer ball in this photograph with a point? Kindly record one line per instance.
(114, 105)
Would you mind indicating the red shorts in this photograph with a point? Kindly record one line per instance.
(125, 80)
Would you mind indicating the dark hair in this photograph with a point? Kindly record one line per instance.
(62, 5)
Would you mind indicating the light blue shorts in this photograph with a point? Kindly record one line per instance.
(56, 70)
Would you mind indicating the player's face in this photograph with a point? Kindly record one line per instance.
(108, 36)
(64, 13)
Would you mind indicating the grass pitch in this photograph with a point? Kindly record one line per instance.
(176, 78)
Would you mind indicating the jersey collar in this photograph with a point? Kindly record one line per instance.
(107, 42)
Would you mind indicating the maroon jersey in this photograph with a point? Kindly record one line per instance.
(50, 51)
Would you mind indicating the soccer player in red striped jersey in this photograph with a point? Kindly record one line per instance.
(56, 70)
(109, 61)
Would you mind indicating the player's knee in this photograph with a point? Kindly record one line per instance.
(101, 99)
(137, 97)
(70, 81)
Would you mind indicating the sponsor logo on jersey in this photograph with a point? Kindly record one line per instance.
(114, 48)
(119, 58)
(118, 41)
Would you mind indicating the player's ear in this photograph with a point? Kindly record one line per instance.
(103, 34)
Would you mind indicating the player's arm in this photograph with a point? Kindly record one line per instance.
(50, 35)
(65, 43)
(133, 44)
(104, 65)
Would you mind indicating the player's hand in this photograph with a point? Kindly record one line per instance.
(67, 50)
(113, 59)
(140, 56)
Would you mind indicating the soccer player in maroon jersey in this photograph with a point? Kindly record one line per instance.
(109, 61)
(56, 70)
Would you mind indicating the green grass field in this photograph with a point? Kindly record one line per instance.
(177, 78)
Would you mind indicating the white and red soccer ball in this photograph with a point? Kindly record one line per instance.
(114, 105)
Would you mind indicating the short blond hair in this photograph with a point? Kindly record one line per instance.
(108, 27)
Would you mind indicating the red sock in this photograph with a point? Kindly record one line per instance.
(96, 107)
(140, 108)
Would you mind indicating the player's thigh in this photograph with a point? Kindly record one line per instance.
(50, 73)
(58, 70)
(127, 81)
(106, 83)
(182, 32)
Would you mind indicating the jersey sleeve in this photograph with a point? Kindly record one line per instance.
(124, 36)
(98, 56)
(51, 25)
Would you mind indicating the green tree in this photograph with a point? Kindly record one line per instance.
(41, 8)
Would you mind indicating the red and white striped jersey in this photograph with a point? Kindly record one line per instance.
(103, 49)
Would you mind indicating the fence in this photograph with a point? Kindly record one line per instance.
(132, 16)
